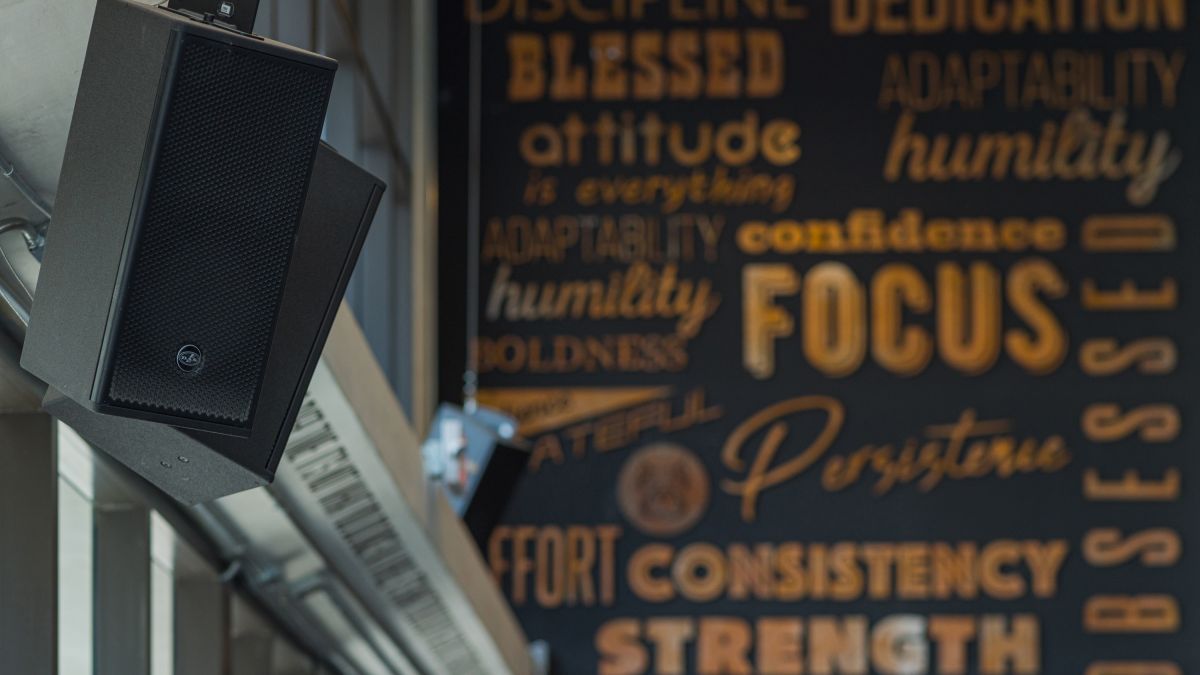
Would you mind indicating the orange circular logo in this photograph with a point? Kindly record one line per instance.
(663, 489)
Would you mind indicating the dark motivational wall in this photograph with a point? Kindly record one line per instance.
(849, 337)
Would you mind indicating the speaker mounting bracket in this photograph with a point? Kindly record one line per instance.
(237, 14)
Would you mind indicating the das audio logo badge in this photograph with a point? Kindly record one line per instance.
(189, 358)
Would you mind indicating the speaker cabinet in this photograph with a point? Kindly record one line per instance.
(196, 466)
(182, 186)
(483, 460)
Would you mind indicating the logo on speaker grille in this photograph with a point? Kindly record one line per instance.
(189, 359)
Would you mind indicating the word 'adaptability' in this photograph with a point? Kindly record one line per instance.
(1059, 79)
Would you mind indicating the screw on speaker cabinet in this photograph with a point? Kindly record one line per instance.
(196, 466)
(186, 170)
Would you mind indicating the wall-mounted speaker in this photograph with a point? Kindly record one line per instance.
(175, 228)
(196, 466)
(480, 459)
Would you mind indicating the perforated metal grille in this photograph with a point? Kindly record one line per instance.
(209, 261)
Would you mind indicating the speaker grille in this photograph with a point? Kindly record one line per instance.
(209, 257)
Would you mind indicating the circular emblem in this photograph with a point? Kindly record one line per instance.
(663, 489)
(189, 359)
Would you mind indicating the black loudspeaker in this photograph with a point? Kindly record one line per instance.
(480, 459)
(195, 466)
(182, 186)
